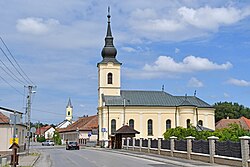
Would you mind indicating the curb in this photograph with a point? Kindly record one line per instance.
(33, 163)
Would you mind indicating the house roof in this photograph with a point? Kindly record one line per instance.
(4, 119)
(242, 121)
(153, 98)
(82, 124)
(126, 130)
(42, 130)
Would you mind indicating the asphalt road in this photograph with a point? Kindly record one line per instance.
(59, 157)
(54, 156)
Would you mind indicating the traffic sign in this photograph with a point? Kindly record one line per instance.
(33, 129)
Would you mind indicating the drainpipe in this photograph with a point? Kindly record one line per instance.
(196, 108)
(175, 116)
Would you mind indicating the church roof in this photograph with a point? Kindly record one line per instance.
(69, 104)
(153, 98)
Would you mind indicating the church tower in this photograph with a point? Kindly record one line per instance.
(69, 111)
(108, 68)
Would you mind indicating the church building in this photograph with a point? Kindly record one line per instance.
(68, 118)
(148, 112)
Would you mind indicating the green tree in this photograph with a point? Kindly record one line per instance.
(57, 138)
(231, 110)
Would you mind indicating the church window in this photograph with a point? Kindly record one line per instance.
(68, 112)
(113, 126)
(131, 123)
(200, 122)
(150, 127)
(110, 78)
(168, 124)
(188, 123)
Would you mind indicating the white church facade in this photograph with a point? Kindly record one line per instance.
(148, 112)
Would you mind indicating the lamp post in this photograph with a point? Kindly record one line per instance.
(124, 106)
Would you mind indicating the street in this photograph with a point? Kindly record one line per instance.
(58, 156)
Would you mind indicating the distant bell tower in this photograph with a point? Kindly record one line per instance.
(69, 111)
(109, 68)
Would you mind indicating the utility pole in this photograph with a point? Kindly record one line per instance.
(28, 111)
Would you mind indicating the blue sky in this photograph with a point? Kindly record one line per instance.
(185, 45)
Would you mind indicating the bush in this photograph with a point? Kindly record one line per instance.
(233, 132)
(41, 139)
(57, 138)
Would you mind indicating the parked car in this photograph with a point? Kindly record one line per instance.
(72, 145)
(48, 143)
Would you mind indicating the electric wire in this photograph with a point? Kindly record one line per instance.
(16, 61)
(11, 75)
(11, 86)
(14, 65)
(19, 80)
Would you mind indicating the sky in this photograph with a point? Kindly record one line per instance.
(185, 45)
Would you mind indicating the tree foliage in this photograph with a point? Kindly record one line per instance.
(232, 133)
(57, 138)
(231, 110)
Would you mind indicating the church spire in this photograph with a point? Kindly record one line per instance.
(109, 51)
(69, 104)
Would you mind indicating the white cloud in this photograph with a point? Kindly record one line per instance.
(210, 18)
(189, 64)
(36, 26)
(194, 82)
(128, 49)
(183, 23)
(238, 82)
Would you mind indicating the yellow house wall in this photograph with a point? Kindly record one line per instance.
(6, 132)
(159, 116)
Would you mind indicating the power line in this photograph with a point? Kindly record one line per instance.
(16, 61)
(11, 76)
(19, 80)
(13, 65)
(11, 86)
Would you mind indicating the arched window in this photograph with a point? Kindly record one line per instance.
(188, 123)
(110, 78)
(68, 112)
(131, 123)
(168, 124)
(150, 127)
(113, 126)
(200, 122)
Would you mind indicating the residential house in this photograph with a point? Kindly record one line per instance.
(242, 122)
(46, 131)
(84, 130)
(7, 129)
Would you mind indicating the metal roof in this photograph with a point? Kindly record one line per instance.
(153, 98)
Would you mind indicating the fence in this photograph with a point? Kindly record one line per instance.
(211, 150)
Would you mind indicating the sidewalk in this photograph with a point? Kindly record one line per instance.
(28, 160)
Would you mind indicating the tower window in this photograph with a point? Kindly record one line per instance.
(131, 123)
(200, 122)
(110, 78)
(150, 127)
(68, 112)
(188, 123)
(113, 126)
(168, 124)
